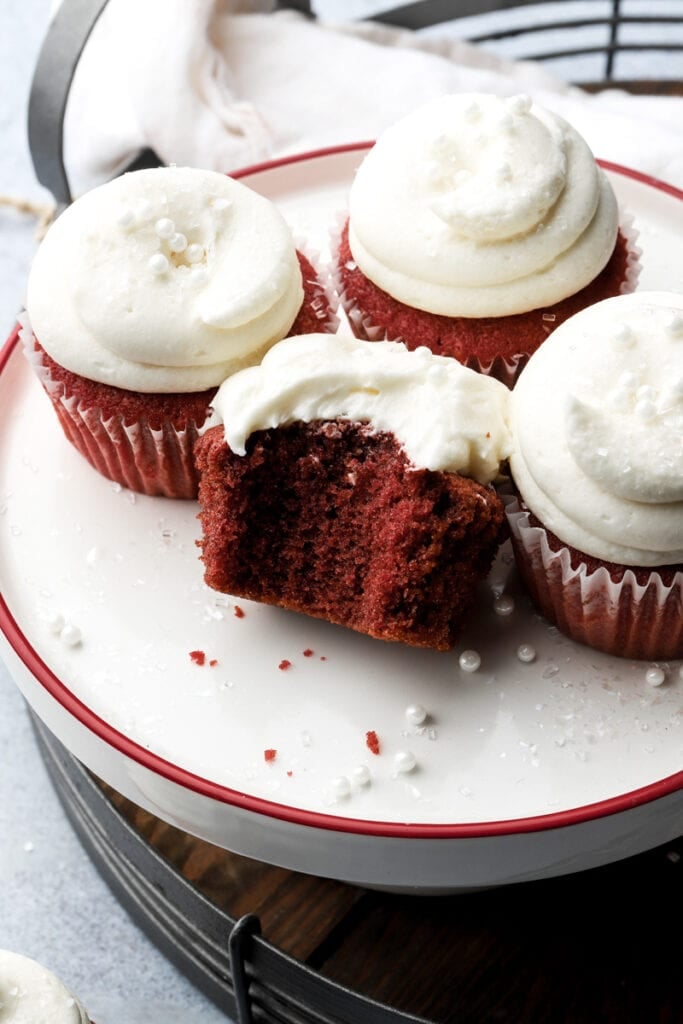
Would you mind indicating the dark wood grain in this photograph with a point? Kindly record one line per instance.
(598, 946)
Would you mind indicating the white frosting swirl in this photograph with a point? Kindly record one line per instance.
(598, 419)
(478, 206)
(29, 994)
(164, 280)
(446, 416)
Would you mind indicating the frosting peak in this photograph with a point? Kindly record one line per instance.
(164, 280)
(598, 414)
(478, 206)
(446, 416)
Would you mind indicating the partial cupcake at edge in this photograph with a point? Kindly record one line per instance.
(145, 294)
(476, 226)
(353, 483)
(597, 525)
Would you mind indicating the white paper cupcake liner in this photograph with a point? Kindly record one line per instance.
(146, 459)
(640, 620)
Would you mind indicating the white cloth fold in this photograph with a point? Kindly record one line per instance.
(208, 85)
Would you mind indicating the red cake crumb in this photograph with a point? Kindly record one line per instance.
(372, 742)
(487, 340)
(290, 774)
(213, 662)
(239, 612)
(198, 657)
(308, 653)
(270, 754)
(333, 520)
(285, 664)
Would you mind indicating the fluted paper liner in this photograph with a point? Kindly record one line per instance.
(625, 617)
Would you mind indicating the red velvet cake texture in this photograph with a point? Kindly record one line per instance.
(333, 520)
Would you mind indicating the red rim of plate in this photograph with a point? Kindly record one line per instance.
(313, 819)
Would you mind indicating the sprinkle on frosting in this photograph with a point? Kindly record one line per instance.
(447, 417)
(478, 206)
(599, 431)
(164, 280)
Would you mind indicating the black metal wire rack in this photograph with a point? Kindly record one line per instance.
(597, 41)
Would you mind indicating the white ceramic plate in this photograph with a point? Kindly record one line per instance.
(522, 769)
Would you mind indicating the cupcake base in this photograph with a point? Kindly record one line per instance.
(631, 612)
(497, 346)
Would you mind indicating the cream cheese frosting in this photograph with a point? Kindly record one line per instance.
(598, 421)
(30, 994)
(164, 280)
(474, 205)
(446, 416)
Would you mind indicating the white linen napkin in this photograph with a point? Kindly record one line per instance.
(222, 84)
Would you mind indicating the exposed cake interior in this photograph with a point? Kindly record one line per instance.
(353, 482)
(333, 520)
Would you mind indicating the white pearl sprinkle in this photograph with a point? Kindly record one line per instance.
(177, 242)
(618, 400)
(504, 605)
(55, 622)
(341, 787)
(645, 410)
(404, 761)
(361, 775)
(415, 714)
(655, 676)
(164, 227)
(526, 653)
(469, 661)
(71, 635)
(158, 263)
(125, 219)
(194, 253)
(623, 336)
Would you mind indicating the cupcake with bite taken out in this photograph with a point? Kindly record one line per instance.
(476, 226)
(352, 482)
(597, 528)
(144, 296)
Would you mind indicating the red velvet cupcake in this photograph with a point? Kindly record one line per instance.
(476, 227)
(351, 482)
(597, 528)
(144, 296)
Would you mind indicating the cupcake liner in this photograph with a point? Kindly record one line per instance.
(154, 460)
(639, 615)
(325, 304)
(504, 368)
